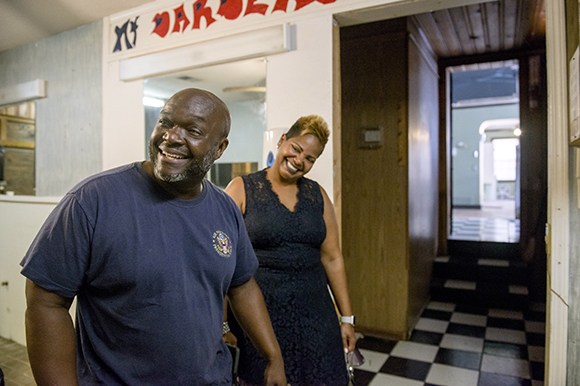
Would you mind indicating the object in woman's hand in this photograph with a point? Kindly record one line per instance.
(355, 358)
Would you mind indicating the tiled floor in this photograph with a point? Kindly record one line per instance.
(458, 345)
(452, 345)
(14, 364)
(485, 229)
(494, 221)
(489, 263)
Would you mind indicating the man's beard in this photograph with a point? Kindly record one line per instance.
(196, 170)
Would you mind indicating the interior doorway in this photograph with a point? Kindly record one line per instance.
(485, 146)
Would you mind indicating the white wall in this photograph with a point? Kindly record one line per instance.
(20, 221)
(299, 83)
(123, 118)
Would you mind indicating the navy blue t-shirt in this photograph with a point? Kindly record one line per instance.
(150, 273)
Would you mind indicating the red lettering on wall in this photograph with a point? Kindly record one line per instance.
(161, 21)
(200, 10)
(304, 3)
(255, 8)
(230, 9)
(281, 5)
(179, 18)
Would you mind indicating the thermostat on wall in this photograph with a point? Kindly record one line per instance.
(371, 137)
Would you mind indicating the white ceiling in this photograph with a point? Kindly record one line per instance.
(27, 21)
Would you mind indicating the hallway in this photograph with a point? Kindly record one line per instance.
(478, 329)
(460, 345)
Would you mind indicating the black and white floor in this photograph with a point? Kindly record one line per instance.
(501, 230)
(459, 345)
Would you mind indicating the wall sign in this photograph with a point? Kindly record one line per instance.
(174, 23)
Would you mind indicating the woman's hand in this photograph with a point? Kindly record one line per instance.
(348, 336)
(230, 338)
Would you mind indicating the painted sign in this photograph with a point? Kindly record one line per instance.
(192, 16)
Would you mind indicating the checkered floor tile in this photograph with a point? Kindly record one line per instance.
(485, 229)
(458, 345)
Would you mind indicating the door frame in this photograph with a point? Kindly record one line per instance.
(557, 237)
(558, 226)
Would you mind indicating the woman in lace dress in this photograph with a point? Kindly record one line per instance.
(294, 232)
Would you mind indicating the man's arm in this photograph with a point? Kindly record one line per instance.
(247, 304)
(50, 337)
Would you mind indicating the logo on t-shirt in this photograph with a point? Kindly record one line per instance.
(222, 244)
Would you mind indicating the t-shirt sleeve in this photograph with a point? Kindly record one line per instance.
(246, 263)
(59, 255)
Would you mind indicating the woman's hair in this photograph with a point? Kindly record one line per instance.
(310, 124)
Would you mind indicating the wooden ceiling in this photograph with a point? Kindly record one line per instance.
(504, 25)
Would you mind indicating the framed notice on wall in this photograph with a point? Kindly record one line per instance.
(574, 99)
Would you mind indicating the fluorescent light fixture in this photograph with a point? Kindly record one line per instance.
(247, 45)
(153, 102)
(245, 89)
(23, 92)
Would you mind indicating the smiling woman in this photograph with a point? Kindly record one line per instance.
(292, 225)
(17, 144)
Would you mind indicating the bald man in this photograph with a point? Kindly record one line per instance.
(150, 250)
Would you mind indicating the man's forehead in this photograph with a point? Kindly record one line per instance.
(185, 112)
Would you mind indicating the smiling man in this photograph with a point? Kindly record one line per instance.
(150, 250)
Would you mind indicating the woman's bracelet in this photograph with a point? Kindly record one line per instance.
(226, 328)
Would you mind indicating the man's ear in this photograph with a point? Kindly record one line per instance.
(221, 148)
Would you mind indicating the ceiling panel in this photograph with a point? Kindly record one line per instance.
(505, 25)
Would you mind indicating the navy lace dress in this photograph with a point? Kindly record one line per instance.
(293, 281)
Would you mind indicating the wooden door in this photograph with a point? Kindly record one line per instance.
(374, 180)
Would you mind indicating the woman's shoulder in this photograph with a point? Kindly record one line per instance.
(236, 191)
(254, 179)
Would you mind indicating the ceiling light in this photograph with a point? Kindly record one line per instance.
(246, 89)
(245, 45)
